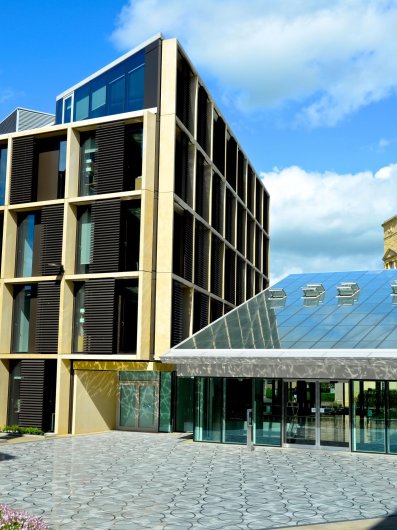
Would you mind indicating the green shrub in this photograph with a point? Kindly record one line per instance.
(21, 430)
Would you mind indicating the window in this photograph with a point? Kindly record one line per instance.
(98, 98)
(127, 320)
(84, 240)
(117, 95)
(81, 103)
(87, 164)
(3, 172)
(130, 236)
(133, 157)
(78, 324)
(28, 237)
(67, 112)
(135, 87)
(51, 168)
(24, 314)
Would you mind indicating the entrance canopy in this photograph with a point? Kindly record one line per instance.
(325, 325)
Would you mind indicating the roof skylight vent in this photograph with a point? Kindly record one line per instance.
(394, 287)
(347, 289)
(277, 292)
(313, 290)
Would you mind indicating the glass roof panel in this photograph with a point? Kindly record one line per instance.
(366, 320)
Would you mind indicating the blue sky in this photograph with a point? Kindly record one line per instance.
(308, 87)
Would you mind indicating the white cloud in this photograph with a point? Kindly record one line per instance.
(330, 57)
(328, 221)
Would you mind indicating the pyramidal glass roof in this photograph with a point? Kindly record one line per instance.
(363, 316)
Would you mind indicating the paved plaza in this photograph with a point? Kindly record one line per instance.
(126, 480)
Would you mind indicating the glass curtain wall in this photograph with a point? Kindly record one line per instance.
(368, 416)
(391, 416)
(208, 413)
(267, 411)
(138, 402)
(78, 324)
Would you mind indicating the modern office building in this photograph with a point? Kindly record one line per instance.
(390, 243)
(131, 223)
(314, 357)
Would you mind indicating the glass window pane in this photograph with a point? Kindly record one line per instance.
(84, 249)
(98, 102)
(58, 111)
(368, 416)
(184, 404)
(78, 325)
(238, 399)
(147, 406)
(26, 229)
(208, 414)
(165, 401)
(392, 417)
(136, 81)
(22, 320)
(267, 412)
(88, 165)
(81, 102)
(128, 406)
(128, 317)
(67, 113)
(117, 96)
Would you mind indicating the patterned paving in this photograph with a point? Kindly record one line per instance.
(126, 481)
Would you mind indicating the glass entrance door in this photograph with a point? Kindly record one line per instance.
(138, 406)
(317, 413)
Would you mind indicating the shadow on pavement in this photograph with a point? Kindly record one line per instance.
(390, 523)
(5, 456)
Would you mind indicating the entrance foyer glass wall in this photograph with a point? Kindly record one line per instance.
(361, 415)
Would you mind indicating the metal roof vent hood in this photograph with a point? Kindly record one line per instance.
(313, 290)
(277, 293)
(347, 289)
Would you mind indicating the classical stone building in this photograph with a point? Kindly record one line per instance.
(390, 243)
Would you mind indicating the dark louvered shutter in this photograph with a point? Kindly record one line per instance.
(230, 276)
(249, 289)
(99, 316)
(240, 281)
(216, 266)
(32, 393)
(51, 239)
(22, 170)
(250, 238)
(110, 157)
(216, 310)
(203, 120)
(188, 248)
(258, 248)
(230, 216)
(240, 176)
(200, 310)
(47, 323)
(177, 314)
(217, 203)
(241, 222)
(231, 160)
(201, 256)
(105, 216)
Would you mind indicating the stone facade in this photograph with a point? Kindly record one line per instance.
(390, 243)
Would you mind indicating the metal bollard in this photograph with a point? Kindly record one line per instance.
(250, 446)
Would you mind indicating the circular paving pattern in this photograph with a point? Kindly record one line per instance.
(123, 480)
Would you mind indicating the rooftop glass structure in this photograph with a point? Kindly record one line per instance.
(339, 310)
(128, 84)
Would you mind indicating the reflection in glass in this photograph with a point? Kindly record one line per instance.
(334, 414)
(87, 165)
(238, 399)
(267, 412)
(368, 416)
(127, 416)
(184, 404)
(84, 241)
(300, 426)
(135, 84)
(208, 414)
(392, 417)
(25, 244)
(165, 401)
(78, 324)
(21, 319)
(67, 113)
(147, 415)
